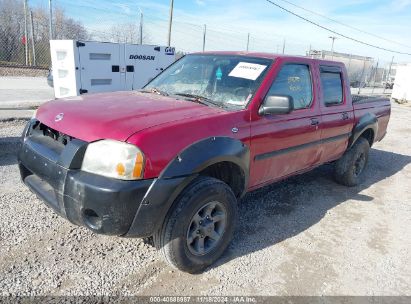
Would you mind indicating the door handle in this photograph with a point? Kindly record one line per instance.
(315, 122)
(345, 116)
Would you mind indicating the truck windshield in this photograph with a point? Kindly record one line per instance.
(216, 80)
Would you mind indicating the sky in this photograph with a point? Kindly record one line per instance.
(229, 22)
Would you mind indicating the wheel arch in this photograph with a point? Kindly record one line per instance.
(209, 156)
(367, 127)
(229, 172)
(215, 157)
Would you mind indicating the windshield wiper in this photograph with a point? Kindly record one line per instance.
(200, 99)
(156, 91)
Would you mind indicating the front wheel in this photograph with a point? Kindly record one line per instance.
(349, 168)
(200, 225)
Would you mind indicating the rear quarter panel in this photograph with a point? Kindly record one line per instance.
(381, 108)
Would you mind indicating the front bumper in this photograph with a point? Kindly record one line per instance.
(104, 205)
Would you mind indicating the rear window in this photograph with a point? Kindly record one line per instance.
(332, 88)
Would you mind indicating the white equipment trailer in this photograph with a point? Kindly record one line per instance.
(402, 84)
(89, 67)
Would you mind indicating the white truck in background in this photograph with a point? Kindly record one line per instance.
(81, 67)
(402, 85)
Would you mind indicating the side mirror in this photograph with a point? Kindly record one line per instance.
(277, 105)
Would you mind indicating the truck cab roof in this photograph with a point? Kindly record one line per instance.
(269, 56)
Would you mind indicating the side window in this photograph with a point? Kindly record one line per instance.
(294, 80)
(332, 88)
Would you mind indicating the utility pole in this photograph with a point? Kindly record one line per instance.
(170, 22)
(32, 38)
(50, 21)
(284, 46)
(375, 76)
(141, 27)
(349, 64)
(362, 75)
(25, 33)
(332, 46)
(204, 36)
(389, 73)
(248, 41)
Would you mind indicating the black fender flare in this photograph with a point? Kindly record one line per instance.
(207, 152)
(179, 173)
(366, 122)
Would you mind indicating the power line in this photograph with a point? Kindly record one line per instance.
(346, 25)
(334, 32)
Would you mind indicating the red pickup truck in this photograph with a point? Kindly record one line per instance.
(169, 162)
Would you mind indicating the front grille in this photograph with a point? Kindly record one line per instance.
(39, 130)
(56, 147)
(51, 140)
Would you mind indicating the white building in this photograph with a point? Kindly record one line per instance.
(402, 84)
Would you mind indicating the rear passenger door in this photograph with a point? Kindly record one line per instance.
(337, 111)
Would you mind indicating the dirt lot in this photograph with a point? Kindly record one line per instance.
(26, 72)
(303, 236)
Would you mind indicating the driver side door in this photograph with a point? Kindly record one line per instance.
(283, 144)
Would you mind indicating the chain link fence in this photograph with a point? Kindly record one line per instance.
(24, 35)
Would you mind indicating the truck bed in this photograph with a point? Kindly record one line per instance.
(368, 98)
(378, 105)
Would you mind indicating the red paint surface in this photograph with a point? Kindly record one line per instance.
(162, 126)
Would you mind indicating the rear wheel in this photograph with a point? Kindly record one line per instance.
(200, 226)
(349, 168)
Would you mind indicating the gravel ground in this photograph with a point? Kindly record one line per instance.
(303, 236)
(25, 72)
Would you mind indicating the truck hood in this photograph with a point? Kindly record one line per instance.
(116, 115)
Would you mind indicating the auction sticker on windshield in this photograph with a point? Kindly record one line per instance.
(247, 70)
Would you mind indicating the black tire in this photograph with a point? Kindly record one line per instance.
(173, 238)
(349, 168)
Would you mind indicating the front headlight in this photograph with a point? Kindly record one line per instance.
(114, 159)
